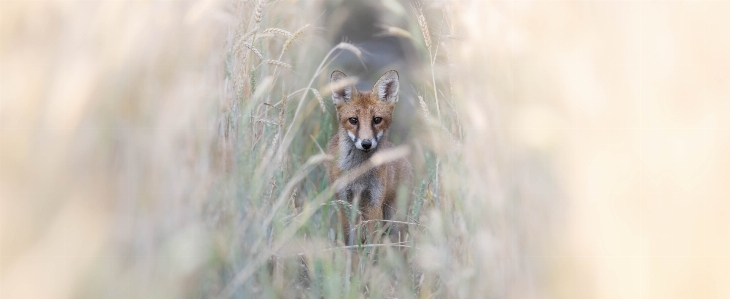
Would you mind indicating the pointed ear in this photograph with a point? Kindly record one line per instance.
(387, 87)
(340, 94)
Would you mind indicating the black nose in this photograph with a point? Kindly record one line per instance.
(366, 144)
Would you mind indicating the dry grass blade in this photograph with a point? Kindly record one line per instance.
(278, 31)
(242, 40)
(309, 209)
(320, 99)
(350, 47)
(296, 120)
(348, 247)
(264, 35)
(277, 63)
(254, 50)
(394, 31)
(293, 37)
(339, 84)
(259, 12)
(424, 107)
(376, 160)
(267, 121)
(424, 26)
(298, 177)
(388, 221)
(314, 140)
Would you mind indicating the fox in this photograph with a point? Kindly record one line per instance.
(364, 118)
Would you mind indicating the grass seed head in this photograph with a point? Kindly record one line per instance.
(395, 31)
(259, 11)
(277, 62)
(254, 50)
(294, 37)
(350, 47)
(424, 107)
(424, 26)
(278, 31)
(319, 98)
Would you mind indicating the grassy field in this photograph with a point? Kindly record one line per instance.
(183, 143)
(175, 149)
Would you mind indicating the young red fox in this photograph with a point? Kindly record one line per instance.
(364, 118)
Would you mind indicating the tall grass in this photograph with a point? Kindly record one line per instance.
(176, 150)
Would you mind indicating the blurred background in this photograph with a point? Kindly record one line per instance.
(563, 149)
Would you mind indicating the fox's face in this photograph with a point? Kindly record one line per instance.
(366, 115)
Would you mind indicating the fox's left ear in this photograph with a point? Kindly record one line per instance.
(387, 87)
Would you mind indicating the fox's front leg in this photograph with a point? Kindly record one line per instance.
(345, 199)
(372, 213)
(397, 230)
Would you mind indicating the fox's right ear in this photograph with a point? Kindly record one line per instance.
(387, 87)
(340, 93)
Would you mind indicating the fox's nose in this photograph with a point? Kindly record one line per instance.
(366, 144)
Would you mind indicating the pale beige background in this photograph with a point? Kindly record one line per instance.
(631, 99)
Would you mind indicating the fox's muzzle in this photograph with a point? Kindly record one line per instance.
(364, 144)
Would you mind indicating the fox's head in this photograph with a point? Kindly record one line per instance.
(365, 115)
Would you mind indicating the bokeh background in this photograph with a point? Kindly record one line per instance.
(563, 149)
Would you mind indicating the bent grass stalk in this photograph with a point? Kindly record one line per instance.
(311, 163)
(296, 120)
(423, 25)
(308, 211)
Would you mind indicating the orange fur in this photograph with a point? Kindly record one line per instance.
(373, 193)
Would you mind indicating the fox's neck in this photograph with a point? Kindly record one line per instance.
(350, 156)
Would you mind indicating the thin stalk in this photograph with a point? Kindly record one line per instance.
(287, 138)
(433, 80)
(308, 211)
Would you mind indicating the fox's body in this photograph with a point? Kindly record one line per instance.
(364, 118)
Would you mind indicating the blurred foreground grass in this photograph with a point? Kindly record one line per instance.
(173, 149)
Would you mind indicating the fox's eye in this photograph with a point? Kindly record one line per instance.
(377, 120)
(353, 120)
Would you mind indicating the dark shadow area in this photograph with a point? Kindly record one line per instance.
(360, 23)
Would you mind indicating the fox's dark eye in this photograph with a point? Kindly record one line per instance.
(377, 120)
(353, 120)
